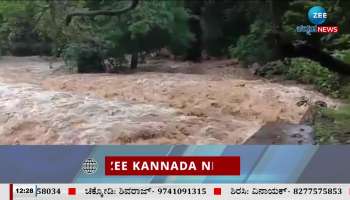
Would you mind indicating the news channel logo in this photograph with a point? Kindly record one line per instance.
(89, 166)
(317, 15)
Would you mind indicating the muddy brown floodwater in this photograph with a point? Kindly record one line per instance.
(164, 102)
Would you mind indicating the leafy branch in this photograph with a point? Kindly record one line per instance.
(132, 5)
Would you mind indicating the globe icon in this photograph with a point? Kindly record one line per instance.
(89, 166)
(316, 15)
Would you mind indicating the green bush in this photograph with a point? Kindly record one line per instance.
(333, 42)
(345, 90)
(19, 34)
(254, 46)
(311, 72)
(273, 68)
(305, 71)
(83, 58)
(343, 55)
(332, 126)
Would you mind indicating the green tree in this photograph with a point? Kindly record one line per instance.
(146, 27)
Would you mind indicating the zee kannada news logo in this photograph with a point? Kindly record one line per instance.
(317, 15)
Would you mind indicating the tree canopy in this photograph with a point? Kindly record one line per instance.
(187, 28)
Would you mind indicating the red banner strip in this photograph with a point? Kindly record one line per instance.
(172, 165)
(11, 191)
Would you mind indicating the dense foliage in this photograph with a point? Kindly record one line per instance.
(253, 47)
(151, 26)
(253, 31)
(310, 72)
(304, 71)
(332, 126)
